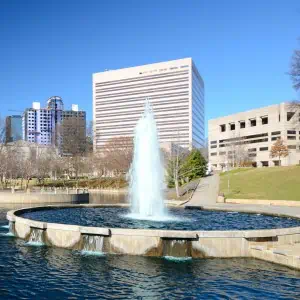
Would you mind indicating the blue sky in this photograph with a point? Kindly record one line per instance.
(241, 48)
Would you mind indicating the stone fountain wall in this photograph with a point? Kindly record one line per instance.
(198, 244)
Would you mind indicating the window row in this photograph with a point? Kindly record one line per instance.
(252, 152)
(242, 124)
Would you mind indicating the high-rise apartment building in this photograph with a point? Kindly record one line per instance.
(175, 90)
(250, 135)
(13, 128)
(47, 126)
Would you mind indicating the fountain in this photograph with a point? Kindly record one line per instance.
(146, 173)
(92, 245)
(11, 229)
(36, 237)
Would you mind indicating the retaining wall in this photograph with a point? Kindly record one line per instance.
(198, 244)
(262, 202)
(32, 198)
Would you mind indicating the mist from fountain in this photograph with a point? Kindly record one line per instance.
(146, 172)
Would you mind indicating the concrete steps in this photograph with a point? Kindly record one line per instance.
(288, 255)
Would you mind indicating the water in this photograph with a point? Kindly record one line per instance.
(36, 237)
(11, 229)
(92, 245)
(178, 259)
(177, 248)
(146, 173)
(107, 198)
(185, 219)
(53, 273)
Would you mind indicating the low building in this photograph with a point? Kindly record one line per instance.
(248, 136)
(13, 128)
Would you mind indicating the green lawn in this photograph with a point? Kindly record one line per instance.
(276, 183)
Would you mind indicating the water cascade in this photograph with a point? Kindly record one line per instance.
(177, 249)
(11, 229)
(36, 237)
(146, 173)
(93, 244)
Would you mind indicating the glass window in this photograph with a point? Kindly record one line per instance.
(253, 122)
(276, 132)
(289, 115)
(264, 120)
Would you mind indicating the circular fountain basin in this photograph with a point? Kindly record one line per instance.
(176, 219)
(191, 233)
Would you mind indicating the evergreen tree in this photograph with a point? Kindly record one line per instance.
(195, 165)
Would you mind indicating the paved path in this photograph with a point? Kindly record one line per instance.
(285, 253)
(206, 192)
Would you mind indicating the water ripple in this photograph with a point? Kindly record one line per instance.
(53, 273)
(185, 219)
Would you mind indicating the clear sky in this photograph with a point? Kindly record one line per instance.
(241, 48)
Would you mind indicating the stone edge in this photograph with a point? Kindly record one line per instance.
(14, 216)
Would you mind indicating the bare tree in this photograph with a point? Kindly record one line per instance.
(237, 154)
(46, 163)
(73, 146)
(98, 161)
(204, 150)
(118, 154)
(28, 164)
(89, 136)
(295, 70)
(2, 130)
(279, 150)
(5, 160)
(175, 158)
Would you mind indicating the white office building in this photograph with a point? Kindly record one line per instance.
(175, 90)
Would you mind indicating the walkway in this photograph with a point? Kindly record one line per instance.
(279, 251)
(206, 192)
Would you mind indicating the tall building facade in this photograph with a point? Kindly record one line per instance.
(251, 134)
(13, 128)
(175, 90)
(47, 126)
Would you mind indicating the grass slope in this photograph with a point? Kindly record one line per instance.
(277, 183)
